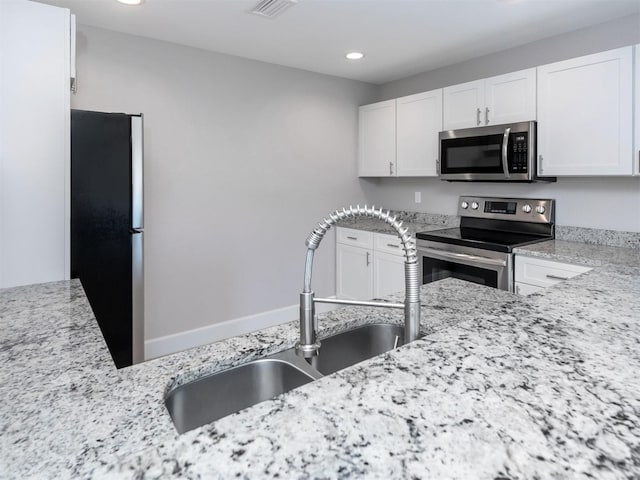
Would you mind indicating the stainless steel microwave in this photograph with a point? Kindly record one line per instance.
(496, 153)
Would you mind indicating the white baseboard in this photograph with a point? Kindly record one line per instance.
(157, 347)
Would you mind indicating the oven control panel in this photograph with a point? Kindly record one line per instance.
(517, 209)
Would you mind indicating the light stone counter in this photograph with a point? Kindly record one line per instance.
(414, 221)
(501, 387)
(582, 253)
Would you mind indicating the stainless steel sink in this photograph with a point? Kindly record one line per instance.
(353, 346)
(215, 396)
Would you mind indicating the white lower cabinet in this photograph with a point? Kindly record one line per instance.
(354, 272)
(533, 275)
(526, 289)
(388, 273)
(368, 265)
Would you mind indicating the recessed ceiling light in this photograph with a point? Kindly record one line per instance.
(354, 55)
(131, 2)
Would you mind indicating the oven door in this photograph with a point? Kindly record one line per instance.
(485, 267)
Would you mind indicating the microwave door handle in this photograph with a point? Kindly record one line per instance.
(474, 260)
(505, 149)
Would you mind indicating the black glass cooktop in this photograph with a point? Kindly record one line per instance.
(497, 241)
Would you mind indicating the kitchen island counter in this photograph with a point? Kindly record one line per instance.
(502, 386)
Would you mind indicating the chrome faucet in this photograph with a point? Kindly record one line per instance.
(308, 345)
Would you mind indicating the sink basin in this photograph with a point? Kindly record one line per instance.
(215, 396)
(218, 395)
(348, 348)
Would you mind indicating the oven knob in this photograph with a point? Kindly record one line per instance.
(474, 205)
(526, 208)
(540, 209)
(464, 205)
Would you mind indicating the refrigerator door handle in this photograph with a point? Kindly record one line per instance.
(137, 296)
(137, 171)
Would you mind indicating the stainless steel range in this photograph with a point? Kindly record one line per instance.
(481, 250)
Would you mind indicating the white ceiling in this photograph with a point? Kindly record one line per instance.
(399, 37)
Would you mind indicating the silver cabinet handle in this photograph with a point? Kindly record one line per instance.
(505, 148)
(368, 261)
(557, 277)
(540, 163)
(478, 113)
(486, 116)
(390, 168)
(392, 245)
(353, 238)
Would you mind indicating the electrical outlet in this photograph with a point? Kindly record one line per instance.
(418, 197)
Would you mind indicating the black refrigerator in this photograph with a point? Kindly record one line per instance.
(107, 225)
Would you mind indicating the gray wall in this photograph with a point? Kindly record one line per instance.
(242, 158)
(611, 203)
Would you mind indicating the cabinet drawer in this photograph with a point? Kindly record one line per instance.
(388, 244)
(526, 289)
(356, 238)
(545, 273)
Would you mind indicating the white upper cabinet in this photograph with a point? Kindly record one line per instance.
(585, 115)
(463, 105)
(501, 99)
(400, 137)
(418, 121)
(510, 98)
(377, 139)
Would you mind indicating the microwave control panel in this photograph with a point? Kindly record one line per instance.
(518, 161)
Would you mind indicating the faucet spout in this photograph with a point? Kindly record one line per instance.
(308, 344)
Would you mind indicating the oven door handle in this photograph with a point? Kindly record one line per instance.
(505, 151)
(473, 259)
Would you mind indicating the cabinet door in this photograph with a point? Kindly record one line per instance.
(377, 139)
(544, 273)
(388, 272)
(419, 119)
(355, 238)
(34, 143)
(463, 105)
(510, 98)
(354, 272)
(526, 289)
(585, 115)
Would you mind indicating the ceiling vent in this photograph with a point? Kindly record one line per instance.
(272, 8)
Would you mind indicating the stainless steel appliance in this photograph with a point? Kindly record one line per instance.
(481, 250)
(497, 153)
(107, 225)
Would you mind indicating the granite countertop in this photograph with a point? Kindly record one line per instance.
(501, 386)
(415, 222)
